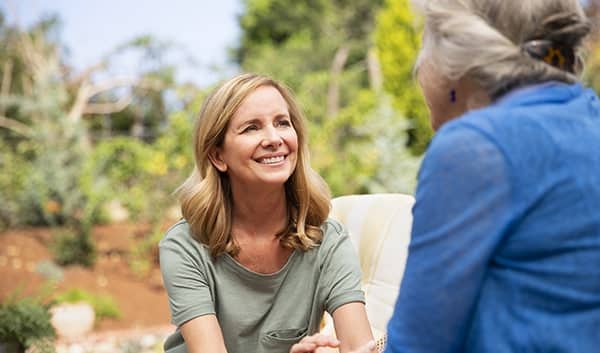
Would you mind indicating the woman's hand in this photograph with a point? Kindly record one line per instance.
(311, 344)
(319, 343)
(369, 347)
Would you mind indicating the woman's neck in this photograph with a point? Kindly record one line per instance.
(259, 212)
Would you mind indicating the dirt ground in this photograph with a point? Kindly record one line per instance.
(141, 298)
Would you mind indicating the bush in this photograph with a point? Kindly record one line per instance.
(27, 322)
(104, 305)
(74, 247)
(50, 271)
(144, 253)
(15, 169)
(52, 193)
(116, 170)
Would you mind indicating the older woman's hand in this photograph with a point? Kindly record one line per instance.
(319, 343)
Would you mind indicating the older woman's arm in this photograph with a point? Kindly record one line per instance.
(462, 208)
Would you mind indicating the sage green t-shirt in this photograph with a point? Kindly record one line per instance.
(258, 313)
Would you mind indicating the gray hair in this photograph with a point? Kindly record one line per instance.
(487, 40)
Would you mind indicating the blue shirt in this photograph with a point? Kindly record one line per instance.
(505, 248)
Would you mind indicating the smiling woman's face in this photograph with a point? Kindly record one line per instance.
(261, 144)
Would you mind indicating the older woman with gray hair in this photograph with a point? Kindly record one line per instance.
(505, 248)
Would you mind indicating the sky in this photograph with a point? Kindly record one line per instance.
(202, 30)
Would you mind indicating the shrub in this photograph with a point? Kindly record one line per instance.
(116, 170)
(104, 305)
(15, 169)
(50, 271)
(144, 253)
(74, 247)
(51, 193)
(27, 322)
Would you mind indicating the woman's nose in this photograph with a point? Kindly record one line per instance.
(271, 137)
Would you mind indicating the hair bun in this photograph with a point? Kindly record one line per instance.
(565, 29)
(555, 54)
(557, 39)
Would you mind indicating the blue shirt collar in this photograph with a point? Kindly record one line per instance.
(558, 91)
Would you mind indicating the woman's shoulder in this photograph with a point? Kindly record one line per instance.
(334, 232)
(332, 225)
(181, 229)
(180, 235)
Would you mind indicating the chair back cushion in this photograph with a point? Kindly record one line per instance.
(379, 225)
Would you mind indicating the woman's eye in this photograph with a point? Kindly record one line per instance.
(250, 128)
(284, 122)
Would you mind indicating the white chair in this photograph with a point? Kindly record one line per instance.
(379, 225)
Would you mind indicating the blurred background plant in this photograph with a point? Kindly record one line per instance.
(103, 304)
(26, 324)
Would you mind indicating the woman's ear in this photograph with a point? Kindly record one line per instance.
(216, 159)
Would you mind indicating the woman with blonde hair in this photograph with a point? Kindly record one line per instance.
(505, 247)
(255, 261)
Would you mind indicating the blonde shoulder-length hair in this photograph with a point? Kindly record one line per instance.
(206, 200)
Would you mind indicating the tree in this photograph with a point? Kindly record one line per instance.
(324, 50)
(44, 105)
(592, 68)
(398, 41)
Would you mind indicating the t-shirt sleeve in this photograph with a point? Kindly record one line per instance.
(184, 277)
(341, 269)
(462, 208)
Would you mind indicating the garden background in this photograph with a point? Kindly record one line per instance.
(89, 160)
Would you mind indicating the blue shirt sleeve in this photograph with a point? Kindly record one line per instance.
(462, 209)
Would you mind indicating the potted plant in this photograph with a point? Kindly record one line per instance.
(24, 324)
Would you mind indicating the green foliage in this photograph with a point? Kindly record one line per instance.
(50, 271)
(27, 322)
(592, 67)
(52, 194)
(49, 142)
(175, 144)
(397, 38)
(143, 255)
(326, 23)
(398, 167)
(342, 149)
(104, 305)
(15, 169)
(275, 21)
(139, 175)
(296, 42)
(74, 247)
(114, 169)
(47, 145)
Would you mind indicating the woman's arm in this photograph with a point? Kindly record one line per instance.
(203, 334)
(352, 326)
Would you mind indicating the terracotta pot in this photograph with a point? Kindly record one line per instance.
(72, 320)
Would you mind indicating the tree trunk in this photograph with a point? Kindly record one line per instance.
(374, 69)
(333, 93)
